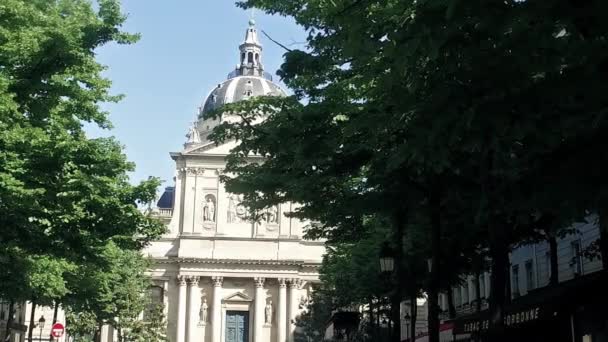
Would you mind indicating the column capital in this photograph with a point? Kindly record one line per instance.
(282, 282)
(182, 280)
(294, 283)
(193, 280)
(259, 282)
(217, 281)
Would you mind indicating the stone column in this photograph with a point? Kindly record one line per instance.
(282, 312)
(486, 279)
(193, 291)
(216, 313)
(260, 305)
(181, 310)
(293, 307)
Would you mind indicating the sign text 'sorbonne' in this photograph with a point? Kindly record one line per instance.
(508, 320)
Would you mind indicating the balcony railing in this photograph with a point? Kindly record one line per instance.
(165, 212)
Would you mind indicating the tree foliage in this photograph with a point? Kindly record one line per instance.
(464, 122)
(68, 206)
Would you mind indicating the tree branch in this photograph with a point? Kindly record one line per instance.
(274, 41)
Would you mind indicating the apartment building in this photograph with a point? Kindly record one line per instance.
(568, 311)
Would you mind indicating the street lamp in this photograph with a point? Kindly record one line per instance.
(41, 326)
(387, 259)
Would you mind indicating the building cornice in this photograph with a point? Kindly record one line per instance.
(302, 263)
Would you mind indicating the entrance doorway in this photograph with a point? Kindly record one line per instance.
(237, 326)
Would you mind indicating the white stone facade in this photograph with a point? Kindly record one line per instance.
(216, 269)
(213, 255)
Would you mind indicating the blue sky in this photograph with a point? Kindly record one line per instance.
(187, 47)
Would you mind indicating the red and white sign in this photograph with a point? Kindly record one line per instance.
(57, 330)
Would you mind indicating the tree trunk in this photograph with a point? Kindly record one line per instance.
(433, 291)
(508, 282)
(451, 306)
(399, 272)
(30, 329)
(554, 279)
(603, 223)
(395, 318)
(97, 337)
(498, 280)
(9, 320)
(371, 315)
(378, 316)
(413, 314)
(55, 312)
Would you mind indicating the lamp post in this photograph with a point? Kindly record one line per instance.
(41, 326)
(387, 266)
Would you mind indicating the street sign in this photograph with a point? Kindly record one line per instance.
(57, 330)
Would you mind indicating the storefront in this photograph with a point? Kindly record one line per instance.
(573, 311)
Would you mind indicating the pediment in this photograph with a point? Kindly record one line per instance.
(238, 297)
(211, 148)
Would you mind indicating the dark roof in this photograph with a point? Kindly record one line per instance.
(167, 198)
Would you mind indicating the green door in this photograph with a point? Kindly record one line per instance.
(237, 326)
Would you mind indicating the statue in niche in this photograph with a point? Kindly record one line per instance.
(268, 312)
(204, 310)
(209, 209)
(272, 215)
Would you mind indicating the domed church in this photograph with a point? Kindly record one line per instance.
(221, 277)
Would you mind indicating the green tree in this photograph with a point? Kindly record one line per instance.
(433, 99)
(63, 194)
(114, 291)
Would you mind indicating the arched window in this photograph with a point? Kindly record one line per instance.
(156, 301)
(250, 57)
(257, 58)
(242, 58)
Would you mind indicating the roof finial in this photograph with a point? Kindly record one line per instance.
(252, 17)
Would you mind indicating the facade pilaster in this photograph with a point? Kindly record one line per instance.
(189, 200)
(193, 290)
(282, 311)
(216, 313)
(293, 307)
(260, 305)
(181, 309)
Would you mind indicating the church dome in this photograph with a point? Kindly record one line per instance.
(247, 80)
(239, 88)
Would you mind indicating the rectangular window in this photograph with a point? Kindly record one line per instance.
(457, 296)
(465, 293)
(515, 280)
(577, 261)
(156, 294)
(482, 286)
(530, 279)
